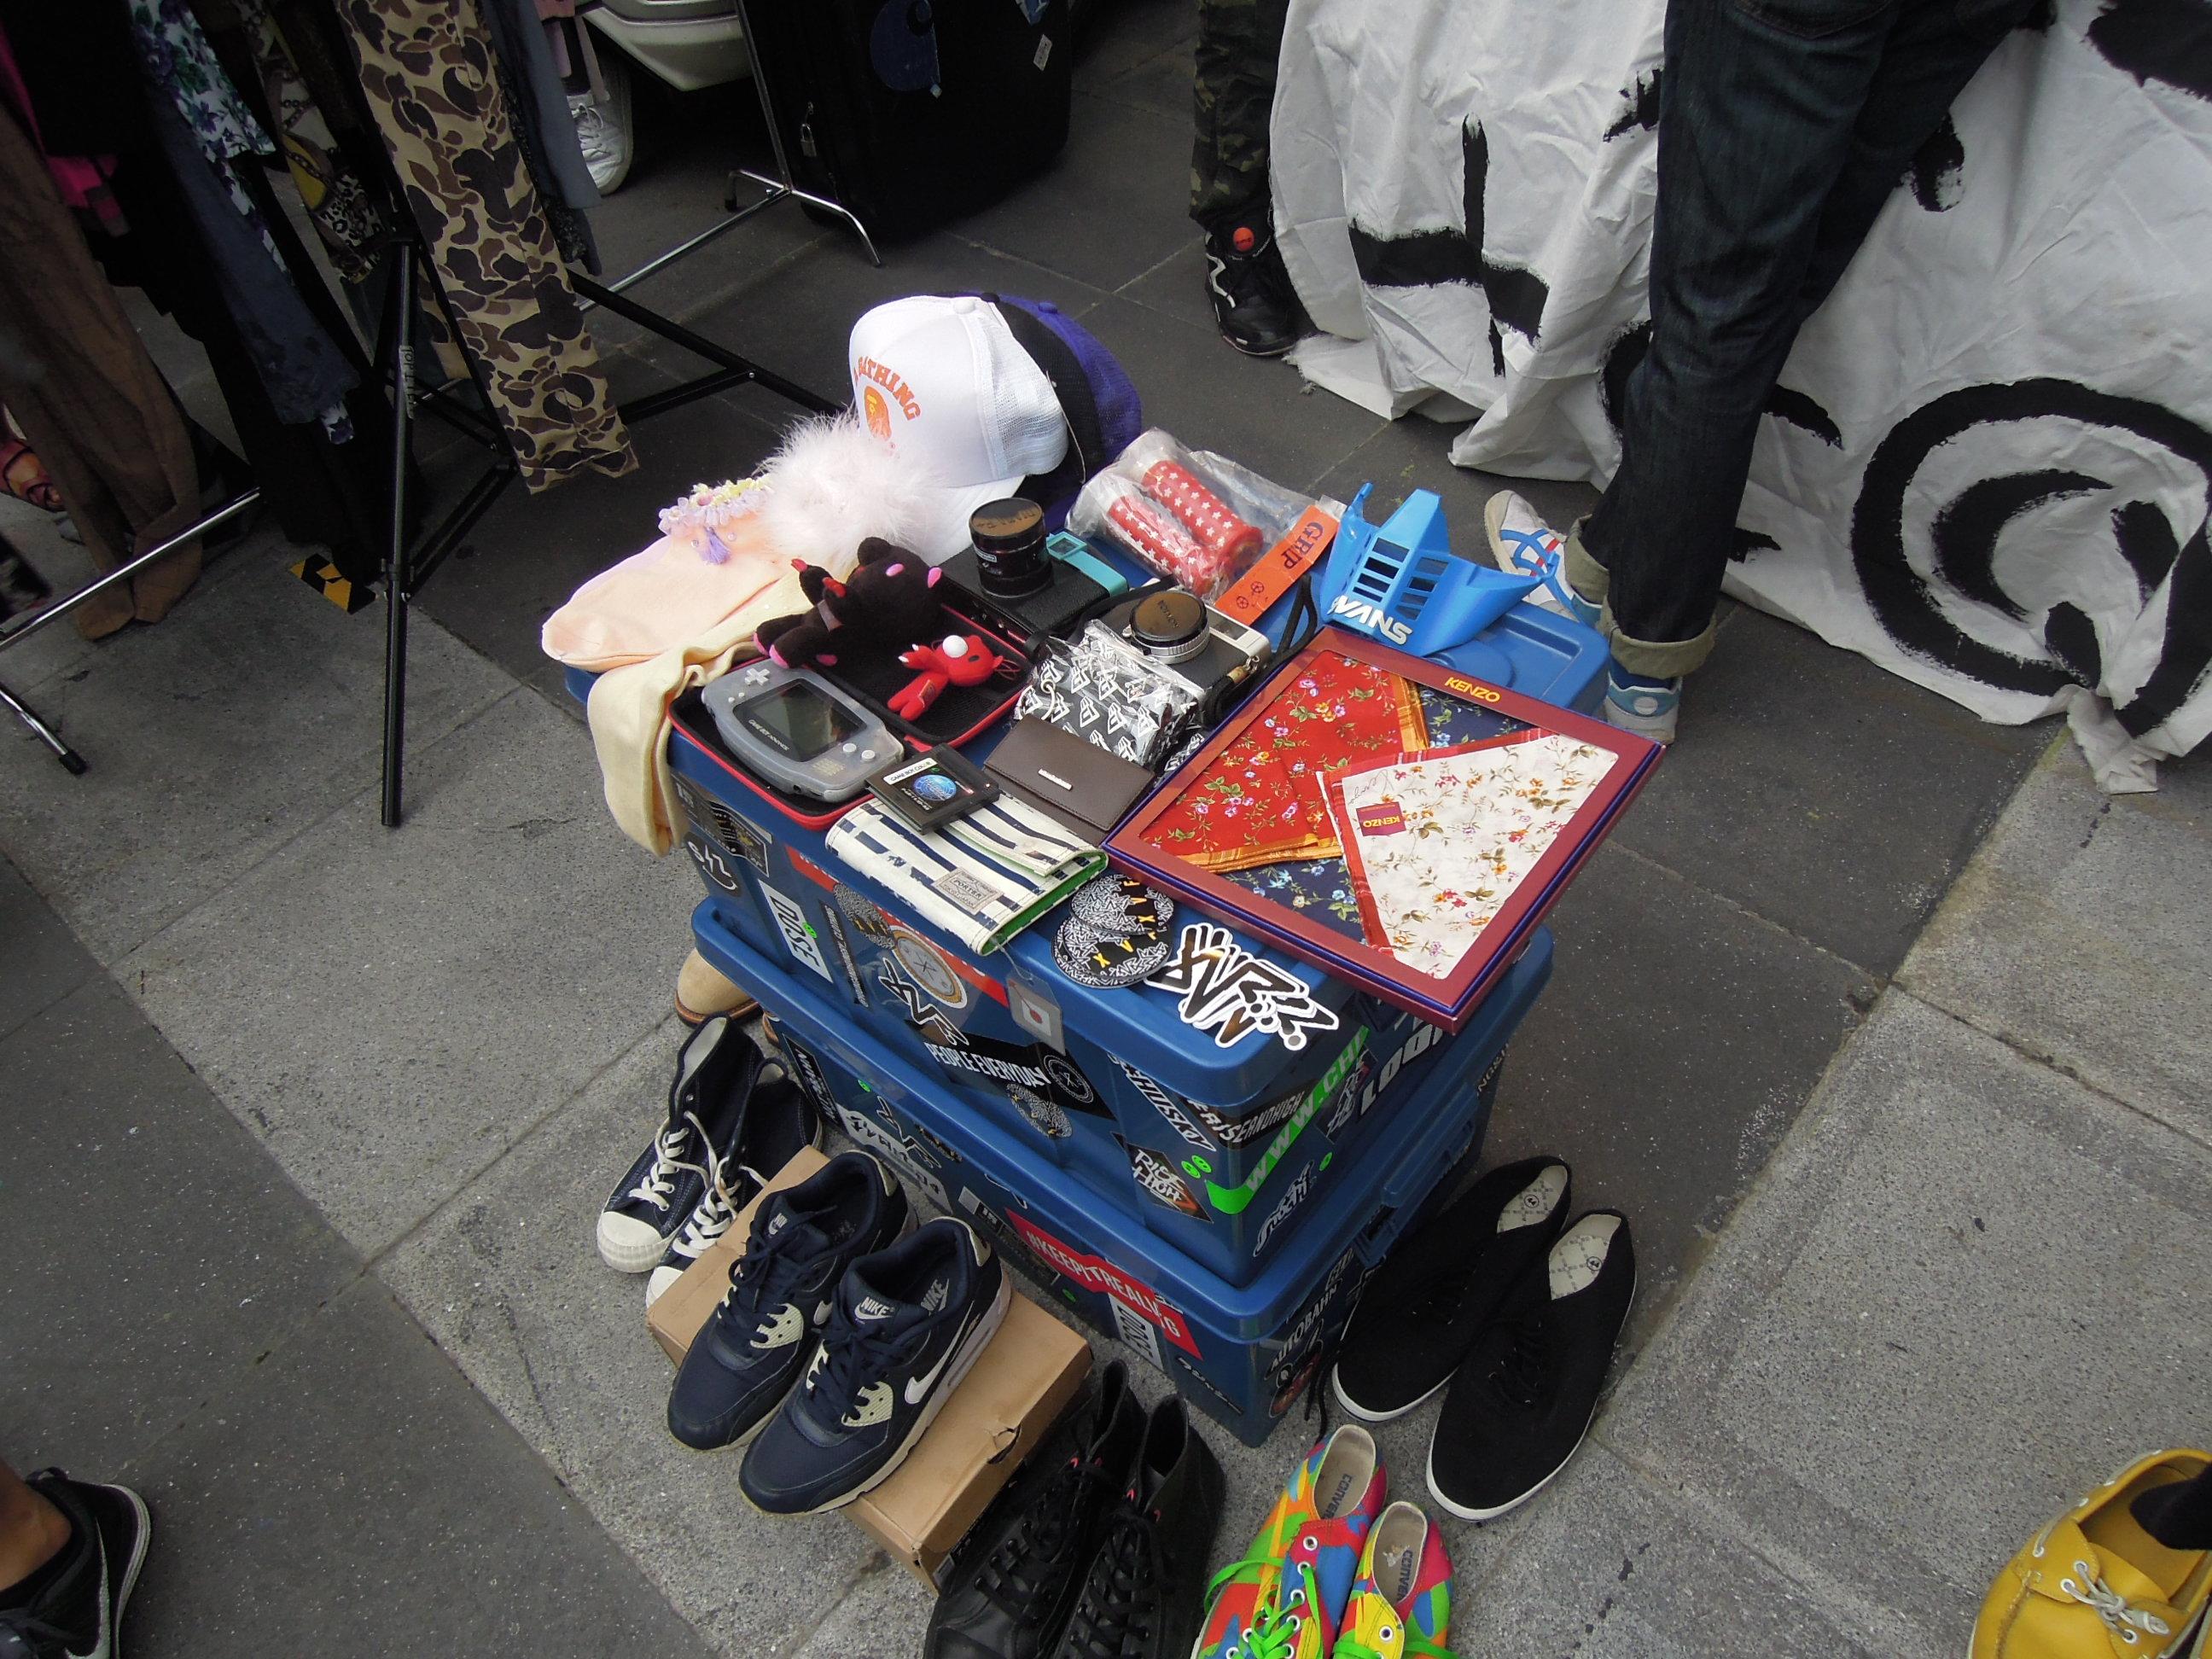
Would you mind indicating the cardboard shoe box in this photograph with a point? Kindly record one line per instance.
(1009, 1403)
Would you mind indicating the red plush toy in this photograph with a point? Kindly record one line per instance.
(957, 659)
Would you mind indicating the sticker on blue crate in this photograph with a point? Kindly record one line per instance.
(1293, 1195)
(712, 864)
(1162, 1182)
(864, 913)
(1235, 1200)
(1166, 1104)
(1094, 1274)
(798, 932)
(855, 984)
(1210, 1386)
(924, 1016)
(1047, 1119)
(807, 1071)
(928, 966)
(1224, 989)
(725, 828)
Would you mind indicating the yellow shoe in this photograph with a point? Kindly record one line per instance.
(701, 993)
(2094, 1585)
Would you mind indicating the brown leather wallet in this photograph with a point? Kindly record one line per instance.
(1077, 783)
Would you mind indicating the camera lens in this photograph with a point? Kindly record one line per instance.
(1009, 540)
(1170, 627)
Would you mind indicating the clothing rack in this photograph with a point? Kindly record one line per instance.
(407, 259)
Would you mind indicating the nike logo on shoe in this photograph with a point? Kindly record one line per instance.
(918, 1387)
(870, 1308)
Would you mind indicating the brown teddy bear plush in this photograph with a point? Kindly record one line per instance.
(886, 606)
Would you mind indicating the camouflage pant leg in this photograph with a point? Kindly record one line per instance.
(1238, 44)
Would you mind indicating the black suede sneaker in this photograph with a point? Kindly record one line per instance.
(1255, 306)
(1012, 1590)
(1524, 1397)
(74, 1609)
(761, 1335)
(909, 1324)
(1421, 1312)
(1144, 1595)
(767, 1123)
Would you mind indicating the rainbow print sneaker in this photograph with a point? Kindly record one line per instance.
(1401, 1602)
(1285, 1599)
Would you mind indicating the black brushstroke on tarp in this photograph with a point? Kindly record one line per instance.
(1745, 542)
(1628, 350)
(1641, 108)
(2145, 540)
(1906, 605)
(2072, 638)
(1430, 258)
(1938, 167)
(2168, 41)
(1963, 534)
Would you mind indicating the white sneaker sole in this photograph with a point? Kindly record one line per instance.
(129, 1581)
(632, 1255)
(1365, 1415)
(963, 1361)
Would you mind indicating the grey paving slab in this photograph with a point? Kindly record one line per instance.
(389, 1011)
(2078, 934)
(882, 1615)
(531, 552)
(1611, 1569)
(1162, 83)
(1113, 204)
(1678, 1040)
(214, 737)
(1211, 397)
(44, 961)
(507, 1281)
(349, 1496)
(1835, 800)
(1967, 1292)
(155, 1255)
(1119, 35)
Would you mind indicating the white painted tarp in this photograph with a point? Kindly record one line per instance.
(1989, 464)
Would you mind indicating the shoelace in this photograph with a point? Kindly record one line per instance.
(1275, 1634)
(761, 1281)
(1013, 1574)
(853, 1358)
(1118, 1595)
(717, 1208)
(658, 1185)
(2129, 1623)
(1522, 1374)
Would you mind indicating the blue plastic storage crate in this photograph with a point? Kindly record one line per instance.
(1239, 1352)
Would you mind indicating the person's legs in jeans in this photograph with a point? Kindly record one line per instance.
(1782, 126)
(1239, 45)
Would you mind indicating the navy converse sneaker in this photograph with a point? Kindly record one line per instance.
(715, 1071)
(909, 1324)
(762, 1332)
(769, 1122)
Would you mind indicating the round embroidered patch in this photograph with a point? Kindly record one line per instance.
(1106, 960)
(1121, 904)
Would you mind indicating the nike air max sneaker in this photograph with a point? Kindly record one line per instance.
(906, 1326)
(762, 1334)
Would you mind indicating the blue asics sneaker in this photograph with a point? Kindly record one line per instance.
(761, 1335)
(909, 1325)
(1523, 545)
(1642, 703)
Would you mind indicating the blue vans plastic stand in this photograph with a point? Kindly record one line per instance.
(1401, 583)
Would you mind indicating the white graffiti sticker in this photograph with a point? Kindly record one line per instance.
(1225, 989)
(791, 921)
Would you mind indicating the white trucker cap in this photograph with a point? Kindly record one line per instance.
(945, 383)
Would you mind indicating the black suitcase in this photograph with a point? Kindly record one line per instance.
(911, 113)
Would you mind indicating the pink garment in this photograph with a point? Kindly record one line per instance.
(661, 597)
(81, 180)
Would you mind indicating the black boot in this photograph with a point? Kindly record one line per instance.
(1011, 1591)
(1253, 304)
(1145, 1598)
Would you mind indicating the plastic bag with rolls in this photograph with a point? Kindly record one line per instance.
(1194, 517)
